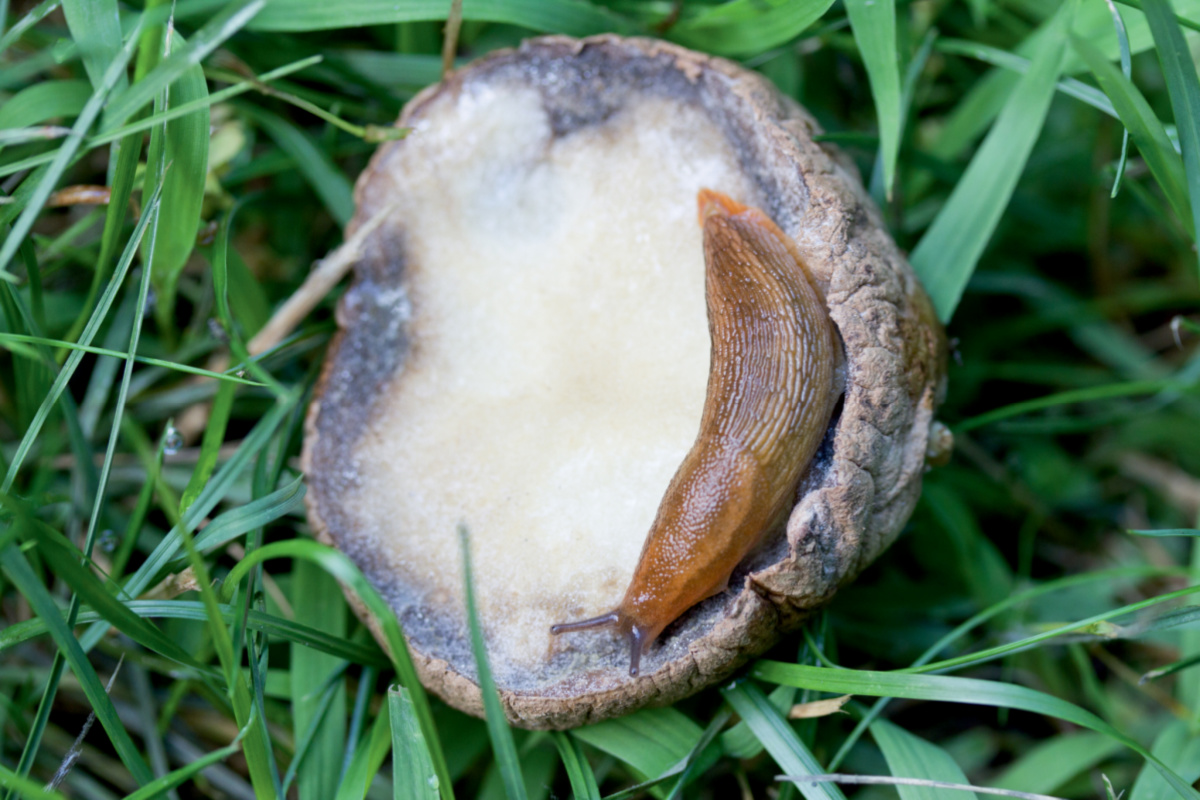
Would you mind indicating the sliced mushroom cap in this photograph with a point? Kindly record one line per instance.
(524, 351)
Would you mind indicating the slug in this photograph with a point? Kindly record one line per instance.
(769, 400)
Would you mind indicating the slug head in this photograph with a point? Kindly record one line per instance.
(639, 636)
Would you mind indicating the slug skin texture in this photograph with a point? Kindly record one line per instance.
(767, 407)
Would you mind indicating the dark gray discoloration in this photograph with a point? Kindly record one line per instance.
(853, 499)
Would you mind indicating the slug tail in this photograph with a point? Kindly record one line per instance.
(611, 618)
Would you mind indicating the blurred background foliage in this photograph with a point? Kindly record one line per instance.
(1039, 159)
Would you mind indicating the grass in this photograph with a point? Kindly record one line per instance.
(1034, 629)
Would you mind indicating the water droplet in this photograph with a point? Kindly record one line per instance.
(433, 782)
(217, 330)
(108, 541)
(172, 441)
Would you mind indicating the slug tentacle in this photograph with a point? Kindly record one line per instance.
(769, 399)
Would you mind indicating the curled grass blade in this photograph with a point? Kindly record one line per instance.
(1143, 125)
(1127, 71)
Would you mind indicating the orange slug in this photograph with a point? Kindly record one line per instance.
(769, 399)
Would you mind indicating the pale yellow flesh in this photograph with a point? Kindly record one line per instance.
(559, 360)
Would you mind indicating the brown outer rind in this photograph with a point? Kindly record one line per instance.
(867, 477)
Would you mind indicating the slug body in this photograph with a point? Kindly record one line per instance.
(768, 404)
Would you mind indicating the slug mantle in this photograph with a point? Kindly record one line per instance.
(525, 350)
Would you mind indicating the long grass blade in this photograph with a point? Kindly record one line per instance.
(1144, 127)
(911, 756)
(970, 691)
(503, 746)
(413, 776)
(874, 26)
(1183, 86)
(779, 739)
(64, 155)
(948, 252)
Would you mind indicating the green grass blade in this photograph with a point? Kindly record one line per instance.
(329, 182)
(64, 375)
(1125, 389)
(22, 576)
(1049, 765)
(1020, 65)
(344, 570)
(413, 776)
(910, 756)
(948, 252)
(1183, 86)
(24, 787)
(187, 369)
(228, 22)
(184, 141)
(33, 17)
(970, 691)
(95, 26)
(35, 104)
(779, 739)
(193, 610)
(64, 155)
(367, 759)
(570, 17)
(161, 786)
(312, 588)
(653, 741)
(1167, 532)
(1127, 71)
(503, 747)
(874, 26)
(1143, 125)
(210, 446)
(1179, 748)
(742, 27)
(579, 771)
(65, 561)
